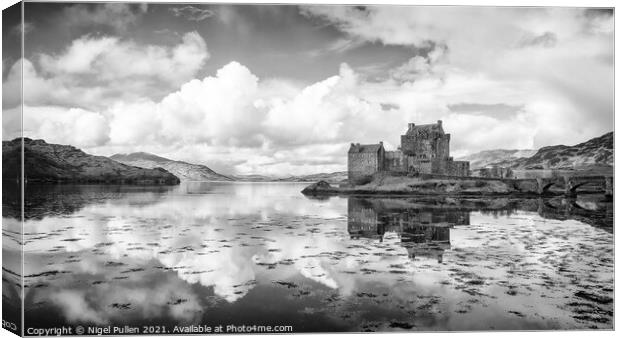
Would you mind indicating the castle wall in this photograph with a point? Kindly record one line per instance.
(495, 172)
(438, 166)
(443, 147)
(426, 145)
(420, 147)
(363, 165)
(457, 168)
(408, 144)
(394, 161)
(416, 165)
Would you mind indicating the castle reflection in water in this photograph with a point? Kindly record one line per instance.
(424, 232)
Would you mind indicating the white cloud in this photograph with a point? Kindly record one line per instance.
(556, 62)
(250, 122)
(134, 123)
(11, 123)
(217, 110)
(72, 126)
(96, 72)
(79, 57)
(247, 125)
(553, 64)
(110, 59)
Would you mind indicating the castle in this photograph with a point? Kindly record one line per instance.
(423, 149)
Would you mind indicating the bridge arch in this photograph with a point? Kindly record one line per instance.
(545, 187)
(601, 182)
(545, 184)
(574, 187)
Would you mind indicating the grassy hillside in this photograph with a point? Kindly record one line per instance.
(44, 162)
(185, 171)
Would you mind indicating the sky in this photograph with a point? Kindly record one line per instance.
(283, 89)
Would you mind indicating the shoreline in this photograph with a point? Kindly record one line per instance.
(385, 185)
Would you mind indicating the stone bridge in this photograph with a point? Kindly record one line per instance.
(571, 184)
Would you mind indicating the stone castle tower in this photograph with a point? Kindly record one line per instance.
(424, 149)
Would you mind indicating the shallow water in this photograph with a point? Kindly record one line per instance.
(264, 254)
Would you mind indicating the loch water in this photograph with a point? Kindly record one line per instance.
(264, 254)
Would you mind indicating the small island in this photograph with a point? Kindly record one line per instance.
(422, 165)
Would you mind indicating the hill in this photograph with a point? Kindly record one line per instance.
(185, 171)
(335, 177)
(594, 153)
(254, 178)
(487, 157)
(45, 162)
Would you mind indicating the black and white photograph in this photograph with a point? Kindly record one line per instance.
(204, 168)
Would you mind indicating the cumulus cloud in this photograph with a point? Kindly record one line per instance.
(498, 41)
(73, 126)
(234, 110)
(107, 59)
(540, 75)
(553, 61)
(248, 125)
(241, 118)
(93, 72)
(420, 66)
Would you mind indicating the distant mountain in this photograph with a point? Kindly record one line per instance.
(595, 153)
(254, 178)
(487, 157)
(44, 162)
(335, 177)
(185, 171)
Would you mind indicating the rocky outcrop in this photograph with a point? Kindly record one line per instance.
(318, 188)
(185, 171)
(56, 163)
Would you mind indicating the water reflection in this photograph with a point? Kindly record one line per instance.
(264, 254)
(423, 232)
(11, 256)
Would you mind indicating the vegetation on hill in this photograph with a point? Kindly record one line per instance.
(594, 153)
(486, 157)
(185, 171)
(56, 163)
